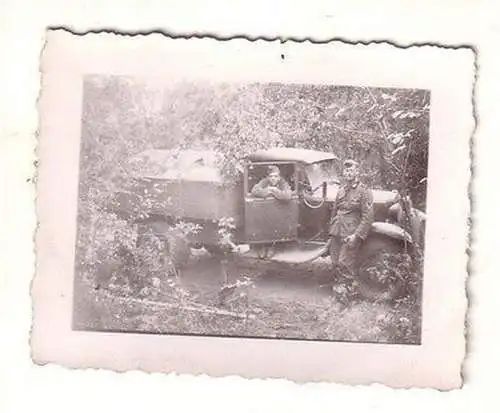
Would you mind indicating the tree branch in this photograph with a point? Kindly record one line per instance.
(192, 307)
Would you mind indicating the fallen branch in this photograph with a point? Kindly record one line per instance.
(195, 307)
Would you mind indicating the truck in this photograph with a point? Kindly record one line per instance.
(188, 187)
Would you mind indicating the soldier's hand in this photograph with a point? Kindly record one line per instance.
(272, 191)
(350, 239)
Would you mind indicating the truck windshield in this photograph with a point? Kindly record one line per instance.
(322, 171)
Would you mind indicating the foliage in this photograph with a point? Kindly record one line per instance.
(386, 130)
(397, 269)
(225, 232)
(274, 315)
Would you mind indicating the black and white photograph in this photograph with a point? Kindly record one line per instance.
(301, 207)
(265, 210)
(286, 206)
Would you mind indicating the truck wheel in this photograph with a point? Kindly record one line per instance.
(173, 249)
(377, 278)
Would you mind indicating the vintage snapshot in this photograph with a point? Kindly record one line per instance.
(259, 210)
(254, 208)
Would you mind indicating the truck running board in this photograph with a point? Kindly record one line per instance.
(290, 254)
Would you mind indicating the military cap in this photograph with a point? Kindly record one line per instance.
(273, 169)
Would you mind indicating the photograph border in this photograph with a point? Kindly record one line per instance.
(448, 73)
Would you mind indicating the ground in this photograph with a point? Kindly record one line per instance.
(264, 301)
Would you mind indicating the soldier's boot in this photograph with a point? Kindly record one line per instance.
(340, 288)
(349, 283)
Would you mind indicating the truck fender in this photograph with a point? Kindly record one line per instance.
(391, 230)
(417, 220)
(385, 241)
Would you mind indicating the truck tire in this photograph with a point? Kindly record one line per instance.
(175, 250)
(372, 284)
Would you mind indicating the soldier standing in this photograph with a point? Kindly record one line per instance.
(350, 222)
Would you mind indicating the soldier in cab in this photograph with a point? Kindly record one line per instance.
(273, 185)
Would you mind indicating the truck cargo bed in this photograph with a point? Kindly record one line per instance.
(195, 200)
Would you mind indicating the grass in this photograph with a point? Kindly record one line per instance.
(272, 304)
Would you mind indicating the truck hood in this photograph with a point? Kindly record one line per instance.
(379, 196)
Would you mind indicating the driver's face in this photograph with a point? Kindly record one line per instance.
(274, 178)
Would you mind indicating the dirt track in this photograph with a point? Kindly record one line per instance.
(271, 281)
(282, 302)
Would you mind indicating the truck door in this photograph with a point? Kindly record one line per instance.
(269, 220)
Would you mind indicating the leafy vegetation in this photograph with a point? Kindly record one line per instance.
(386, 130)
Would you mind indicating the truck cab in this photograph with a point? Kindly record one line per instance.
(312, 177)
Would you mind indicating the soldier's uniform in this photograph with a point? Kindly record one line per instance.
(351, 213)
